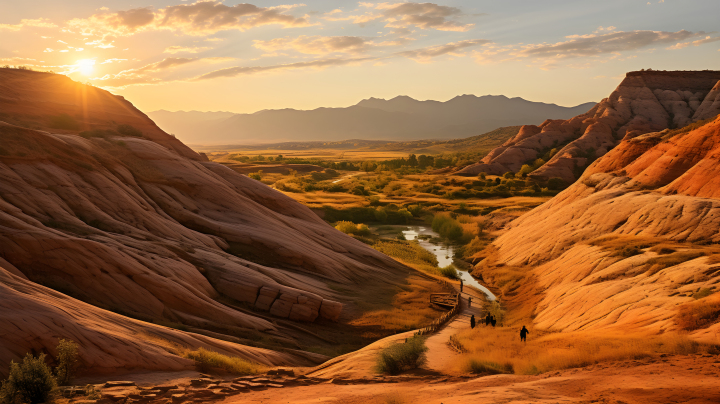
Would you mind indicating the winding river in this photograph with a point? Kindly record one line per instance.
(444, 254)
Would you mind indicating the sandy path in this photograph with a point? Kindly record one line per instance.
(441, 357)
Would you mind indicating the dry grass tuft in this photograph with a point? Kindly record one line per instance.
(699, 314)
(499, 350)
(207, 360)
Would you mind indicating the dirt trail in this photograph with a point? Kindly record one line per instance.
(442, 358)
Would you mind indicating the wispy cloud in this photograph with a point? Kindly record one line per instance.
(323, 45)
(707, 39)
(316, 64)
(37, 23)
(453, 48)
(404, 15)
(615, 44)
(200, 18)
(185, 49)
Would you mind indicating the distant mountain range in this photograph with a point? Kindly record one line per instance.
(401, 118)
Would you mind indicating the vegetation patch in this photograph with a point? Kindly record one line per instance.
(408, 252)
(657, 264)
(30, 381)
(207, 361)
(400, 357)
(699, 314)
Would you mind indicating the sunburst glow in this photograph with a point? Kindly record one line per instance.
(85, 66)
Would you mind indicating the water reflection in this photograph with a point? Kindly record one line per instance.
(444, 254)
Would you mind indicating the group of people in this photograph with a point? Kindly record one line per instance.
(490, 319)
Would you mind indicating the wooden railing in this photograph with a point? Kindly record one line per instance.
(454, 298)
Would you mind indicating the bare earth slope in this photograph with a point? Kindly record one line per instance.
(144, 227)
(626, 246)
(646, 101)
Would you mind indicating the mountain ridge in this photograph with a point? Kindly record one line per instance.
(401, 118)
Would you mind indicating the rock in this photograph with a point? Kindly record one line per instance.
(301, 312)
(281, 372)
(330, 310)
(178, 398)
(644, 102)
(201, 382)
(119, 384)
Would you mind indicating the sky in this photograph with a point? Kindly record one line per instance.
(245, 57)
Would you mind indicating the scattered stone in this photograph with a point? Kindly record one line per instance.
(119, 384)
(176, 398)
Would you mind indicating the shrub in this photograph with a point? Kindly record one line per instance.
(67, 358)
(697, 315)
(28, 382)
(352, 228)
(704, 292)
(449, 272)
(207, 360)
(657, 264)
(447, 227)
(399, 357)
(381, 215)
(128, 130)
(256, 176)
(64, 121)
(374, 200)
(487, 367)
(556, 183)
(509, 175)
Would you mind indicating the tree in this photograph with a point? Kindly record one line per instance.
(28, 382)
(67, 361)
(425, 161)
(412, 161)
(482, 175)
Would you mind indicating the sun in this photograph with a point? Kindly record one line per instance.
(86, 66)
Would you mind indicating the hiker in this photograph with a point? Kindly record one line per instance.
(472, 321)
(523, 334)
(469, 301)
(488, 319)
(493, 321)
(461, 285)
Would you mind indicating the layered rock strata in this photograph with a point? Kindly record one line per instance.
(646, 101)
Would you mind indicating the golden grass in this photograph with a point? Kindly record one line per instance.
(699, 314)
(408, 252)
(207, 361)
(499, 350)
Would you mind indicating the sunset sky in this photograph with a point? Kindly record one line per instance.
(230, 56)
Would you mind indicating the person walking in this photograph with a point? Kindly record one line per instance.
(488, 319)
(523, 334)
(472, 321)
(469, 301)
(461, 285)
(493, 321)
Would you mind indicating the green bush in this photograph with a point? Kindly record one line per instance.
(352, 228)
(67, 358)
(449, 272)
(128, 130)
(402, 356)
(447, 227)
(28, 382)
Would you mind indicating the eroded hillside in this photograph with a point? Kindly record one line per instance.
(630, 247)
(646, 101)
(93, 220)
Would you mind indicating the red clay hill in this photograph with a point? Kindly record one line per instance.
(102, 212)
(630, 247)
(646, 101)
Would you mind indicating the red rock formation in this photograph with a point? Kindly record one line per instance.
(644, 102)
(656, 188)
(144, 227)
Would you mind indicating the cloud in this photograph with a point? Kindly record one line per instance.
(148, 74)
(37, 23)
(404, 15)
(594, 45)
(200, 18)
(167, 64)
(186, 49)
(317, 64)
(707, 39)
(614, 44)
(423, 15)
(453, 48)
(316, 45)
